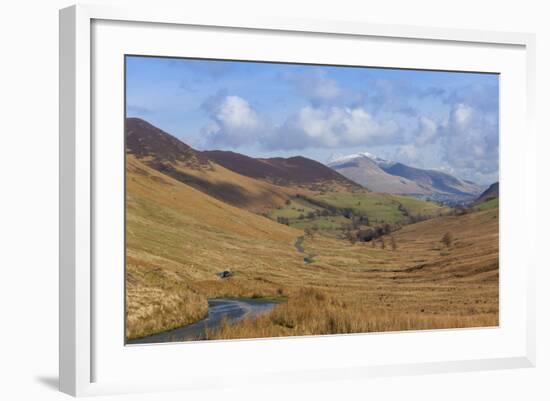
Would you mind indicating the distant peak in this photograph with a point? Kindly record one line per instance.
(343, 159)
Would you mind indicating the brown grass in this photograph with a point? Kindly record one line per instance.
(311, 312)
(178, 239)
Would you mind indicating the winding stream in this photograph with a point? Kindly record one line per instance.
(232, 310)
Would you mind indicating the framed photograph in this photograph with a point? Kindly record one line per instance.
(280, 200)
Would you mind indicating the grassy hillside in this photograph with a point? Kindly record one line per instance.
(421, 284)
(294, 171)
(178, 238)
(489, 204)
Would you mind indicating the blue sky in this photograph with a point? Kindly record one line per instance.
(441, 120)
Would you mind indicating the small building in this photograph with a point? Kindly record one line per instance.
(224, 274)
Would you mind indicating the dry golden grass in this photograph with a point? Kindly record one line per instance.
(178, 239)
(254, 195)
(312, 312)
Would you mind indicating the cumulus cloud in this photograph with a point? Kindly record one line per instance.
(426, 132)
(233, 121)
(481, 97)
(461, 137)
(465, 143)
(330, 127)
(470, 139)
(407, 154)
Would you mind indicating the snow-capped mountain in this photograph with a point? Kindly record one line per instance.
(381, 175)
(378, 160)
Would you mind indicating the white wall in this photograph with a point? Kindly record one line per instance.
(28, 197)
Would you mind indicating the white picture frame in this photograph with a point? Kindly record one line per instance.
(82, 345)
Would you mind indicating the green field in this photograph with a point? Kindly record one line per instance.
(383, 208)
(293, 209)
(490, 204)
(322, 223)
(333, 211)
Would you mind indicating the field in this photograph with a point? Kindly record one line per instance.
(334, 211)
(179, 238)
(490, 204)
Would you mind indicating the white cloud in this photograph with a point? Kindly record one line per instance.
(235, 113)
(470, 140)
(407, 154)
(462, 114)
(233, 121)
(330, 128)
(427, 131)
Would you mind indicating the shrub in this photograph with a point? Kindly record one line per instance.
(366, 235)
(447, 239)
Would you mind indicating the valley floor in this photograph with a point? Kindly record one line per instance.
(422, 284)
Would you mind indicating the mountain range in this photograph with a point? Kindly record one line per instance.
(259, 183)
(380, 175)
(252, 183)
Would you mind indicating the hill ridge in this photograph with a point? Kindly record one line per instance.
(162, 149)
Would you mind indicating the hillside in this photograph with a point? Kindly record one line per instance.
(178, 238)
(289, 230)
(171, 157)
(382, 175)
(434, 181)
(272, 186)
(293, 171)
(368, 173)
(489, 193)
(146, 141)
(258, 185)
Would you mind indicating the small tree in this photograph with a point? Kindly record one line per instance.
(351, 237)
(447, 239)
(365, 235)
(393, 244)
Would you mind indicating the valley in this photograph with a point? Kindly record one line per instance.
(329, 255)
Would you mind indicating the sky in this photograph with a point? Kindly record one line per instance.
(429, 119)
